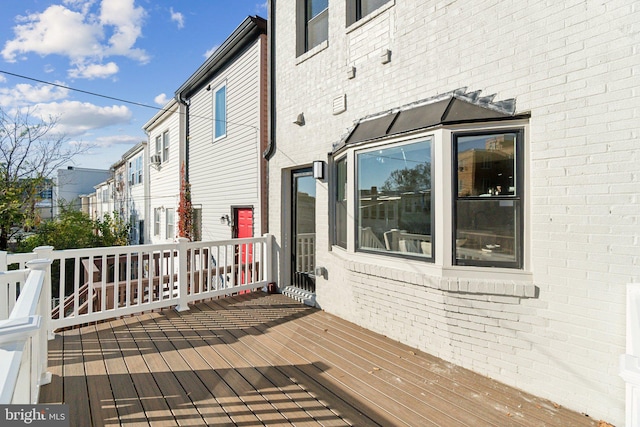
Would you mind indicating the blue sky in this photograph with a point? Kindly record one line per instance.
(134, 50)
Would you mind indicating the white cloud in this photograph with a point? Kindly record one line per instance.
(127, 21)
(208, 53)
(161, 99)
(93, 71)
(82, 36)
(76, 118)
(26, 94)
(177, 17)
(3, 79)
(57, 30)
(262, 7)
(109, 141)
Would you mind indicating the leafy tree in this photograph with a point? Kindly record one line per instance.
(74, 229)
(112, 230)
(30, 151)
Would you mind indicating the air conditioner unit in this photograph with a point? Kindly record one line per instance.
(155, 159)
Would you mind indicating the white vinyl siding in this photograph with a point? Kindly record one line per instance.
(225, 173)
(164, 182)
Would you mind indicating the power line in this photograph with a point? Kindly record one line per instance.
(99, 95)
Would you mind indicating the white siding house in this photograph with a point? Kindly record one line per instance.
(105, 199)
(134, 186)
(475, 186)
(225, 106)
(162, 189)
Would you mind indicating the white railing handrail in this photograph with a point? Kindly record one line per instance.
(103, 283)
(24, 335)
(630, 360)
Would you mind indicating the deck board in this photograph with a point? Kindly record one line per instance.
(258, 359)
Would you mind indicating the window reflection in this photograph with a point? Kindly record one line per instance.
(488, 206)
(394, 203)
(486, 165)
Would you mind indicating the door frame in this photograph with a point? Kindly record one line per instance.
(234, 219)
(304, 171)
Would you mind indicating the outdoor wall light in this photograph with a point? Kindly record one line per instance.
(318, 169)
(224, 220)
(299, 120)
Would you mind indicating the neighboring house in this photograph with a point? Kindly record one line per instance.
(105, 199)
(119, 175)
(224, 105)
(497, 232)
(73, 181)
(162, 189)
(88, 204)
(44, 200)
(134, 188)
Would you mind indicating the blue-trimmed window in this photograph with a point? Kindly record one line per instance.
(220, 112)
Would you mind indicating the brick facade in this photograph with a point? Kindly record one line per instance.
(555, 328)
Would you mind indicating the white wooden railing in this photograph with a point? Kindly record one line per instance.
(630, 361)
(104, 283)
(24, 329)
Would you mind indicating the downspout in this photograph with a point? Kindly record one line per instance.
(271, 85)
(183, 111)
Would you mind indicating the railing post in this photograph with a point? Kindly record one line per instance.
(269, 247)
(45, 313)
(3, 261)
(46, 253)
(183, 286)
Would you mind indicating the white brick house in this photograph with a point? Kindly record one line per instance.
(495, 232)
(223, 105)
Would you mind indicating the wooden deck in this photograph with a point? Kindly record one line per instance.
(260, 359)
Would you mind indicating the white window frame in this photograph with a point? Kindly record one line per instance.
(170, 223)
(442, 184)
(156, 221)
(165, 146)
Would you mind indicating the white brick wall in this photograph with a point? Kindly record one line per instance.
(574, 66)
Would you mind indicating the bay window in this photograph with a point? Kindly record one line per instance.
(394, 207)
(440, 181)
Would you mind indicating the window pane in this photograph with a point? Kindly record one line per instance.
(165, 146)
(394, 203)
(341, 203)
(368, 6)
(220, 112)
(170, 224)
(486, 230)
(314, 7)
(487, 165)
(318, 29)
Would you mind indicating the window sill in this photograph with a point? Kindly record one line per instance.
(370, 17)
(470, 280)
(313, 52)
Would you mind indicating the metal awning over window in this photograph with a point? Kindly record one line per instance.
(452, 108)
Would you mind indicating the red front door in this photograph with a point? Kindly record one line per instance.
(243, 221)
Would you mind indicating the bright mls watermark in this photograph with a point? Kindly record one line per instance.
(34, 415)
